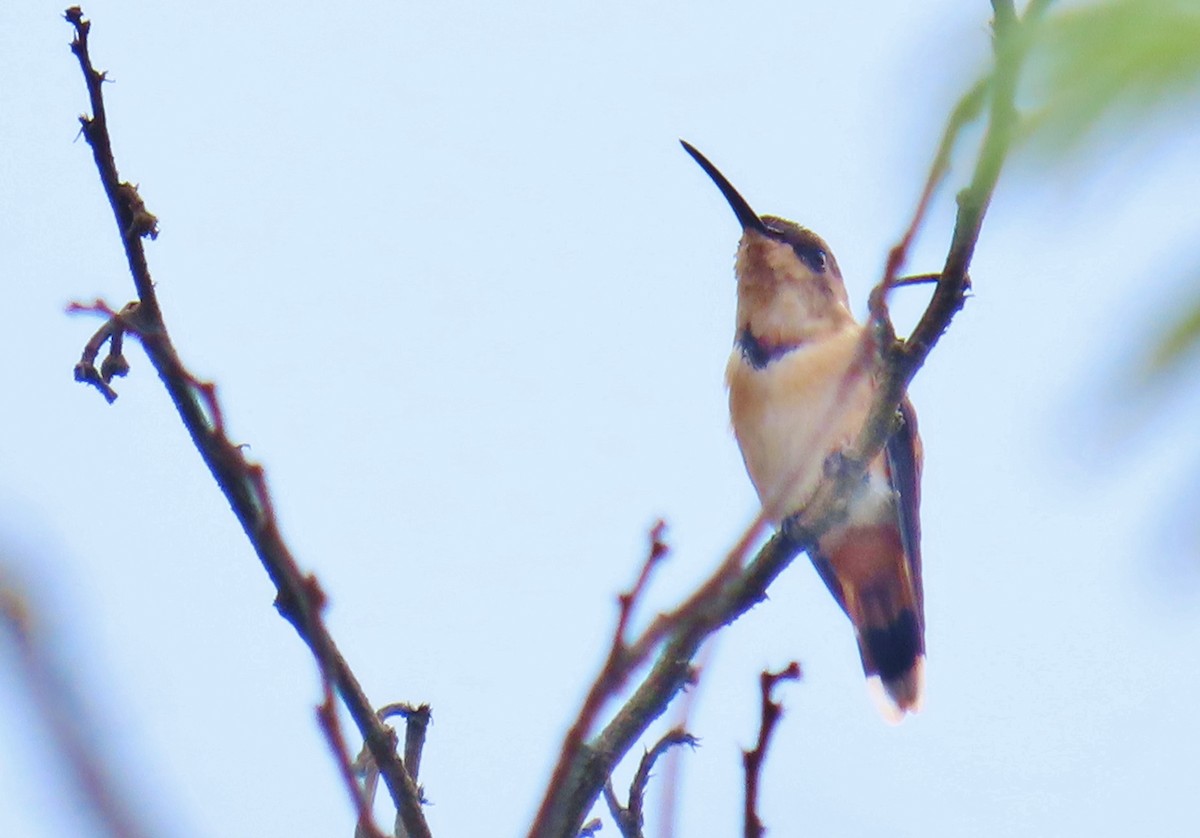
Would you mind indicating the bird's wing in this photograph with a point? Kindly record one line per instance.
(904, 457)
(903, 452)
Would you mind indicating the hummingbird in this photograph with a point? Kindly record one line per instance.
(800, 386)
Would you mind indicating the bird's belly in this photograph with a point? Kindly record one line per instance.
(790, 416)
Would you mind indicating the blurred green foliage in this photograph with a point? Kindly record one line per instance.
(1111, 63)
(1116, 67)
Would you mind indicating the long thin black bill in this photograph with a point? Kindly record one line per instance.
(747, 217)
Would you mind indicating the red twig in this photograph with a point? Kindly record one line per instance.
(733, 564)
(94, 307)
(752, 760)
(613, 674)
(657, 552)
(328, 721)
(964, 113)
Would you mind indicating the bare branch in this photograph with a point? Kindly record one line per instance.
(752, 760)
(299, 599)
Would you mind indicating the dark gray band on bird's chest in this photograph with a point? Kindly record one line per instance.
(759, 354)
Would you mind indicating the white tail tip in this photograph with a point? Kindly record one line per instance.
(897, 698)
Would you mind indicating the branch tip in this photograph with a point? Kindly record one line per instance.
(589, 829)
(770, 712)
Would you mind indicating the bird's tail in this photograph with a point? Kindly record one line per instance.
(891, 639)
(869, 573)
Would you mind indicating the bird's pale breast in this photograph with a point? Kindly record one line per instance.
(792, 414)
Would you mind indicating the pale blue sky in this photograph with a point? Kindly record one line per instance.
(469, 302)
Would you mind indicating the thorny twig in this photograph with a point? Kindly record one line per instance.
(752, 760)
(299, 599)
(631, 818)
(734, 588)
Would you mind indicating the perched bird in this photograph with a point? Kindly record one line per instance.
(800, 385)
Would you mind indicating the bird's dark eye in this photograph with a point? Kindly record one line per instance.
(814, 257)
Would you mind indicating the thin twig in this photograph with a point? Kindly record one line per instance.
(416, 724)
(616, 668)
(727, 595)
(673, 767)
(327, 719)
(630, 819)
(112, 333)
(641, 778)
(590, 828)
(752, 760)
(299, 599)
(917, 279)
(964, 113)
